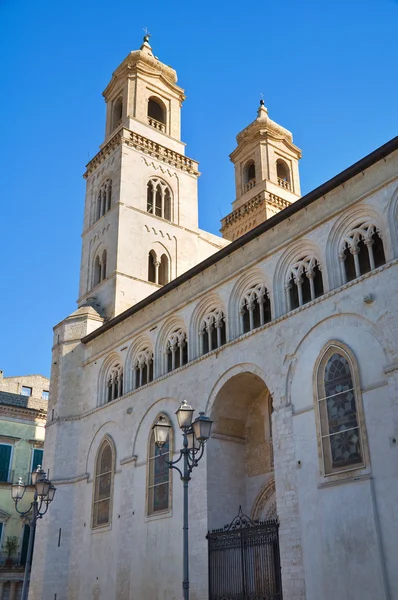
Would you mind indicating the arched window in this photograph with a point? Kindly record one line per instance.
(362, 251)
(159, 199)
(104, 199)
(212, 331)
(255, 308)
(117, 113)
(100, 267)
(304, 282)
(157, 113)
(164, 270)
(158, 474)
(143, 368)
(339, 412)
(152, 266)
(176, 350)
(114, 383)
(249, 176)
(283, 174)
(103, 485)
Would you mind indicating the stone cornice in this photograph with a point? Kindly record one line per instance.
(32, 413)
(261, 198)
(145, 145)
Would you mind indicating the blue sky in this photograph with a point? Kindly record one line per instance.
(328, 72)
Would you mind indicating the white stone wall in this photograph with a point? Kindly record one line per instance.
(335, 539)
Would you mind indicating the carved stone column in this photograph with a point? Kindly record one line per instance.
(285, 468)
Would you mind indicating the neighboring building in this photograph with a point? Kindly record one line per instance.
(286, 337)
(23, 413)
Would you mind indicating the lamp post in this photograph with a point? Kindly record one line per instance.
(43, 496)
(195, 435)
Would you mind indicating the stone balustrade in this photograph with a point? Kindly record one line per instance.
(249, 185)
(156, 124)
(283, 183)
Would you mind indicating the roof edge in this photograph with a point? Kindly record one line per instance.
(364, 163)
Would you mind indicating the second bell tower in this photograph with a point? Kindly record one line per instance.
(141, 209)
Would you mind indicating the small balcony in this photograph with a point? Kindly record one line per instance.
(249, 185)
(157, 124)
(283, 183)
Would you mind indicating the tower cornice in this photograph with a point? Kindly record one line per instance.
(129, 138)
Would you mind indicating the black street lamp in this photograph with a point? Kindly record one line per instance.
(44, 495)
(195, 435)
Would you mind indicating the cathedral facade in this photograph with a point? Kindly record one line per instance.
(284, 332)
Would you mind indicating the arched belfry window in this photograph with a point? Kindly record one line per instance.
(249, 175)
(103, 485)
(159, 199)
(114, 383)
(117, 113)
(283, 174)
(255, 308)
(157, 114)
(304, 282)
(158, 478)
(341, 424)
(143, 368)
(104, 199)
(361, 251)
(100, 268)
(212, 331)
(176, 350)
(158, 269)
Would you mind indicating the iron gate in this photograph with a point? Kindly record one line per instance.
(244, 560)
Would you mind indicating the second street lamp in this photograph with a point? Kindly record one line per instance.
(43, 496)
(195, 435)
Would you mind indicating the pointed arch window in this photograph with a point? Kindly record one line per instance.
(159, 199)
(158, 270)
(304, 282)
(212, 331)
(340, 413)
(362, 251)
(143, 368)
(114, 383)
(176, 350)
(255, 308)
(158, 475)
(104, 199)
(103, 485)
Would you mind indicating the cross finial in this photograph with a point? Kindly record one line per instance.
(147, 34)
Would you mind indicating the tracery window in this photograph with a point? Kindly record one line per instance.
(159, 198)
(103, 485)
(255, 308)
(143, 368)
(158, 476)
(362, 251)
(104, 199)
(338, 410)
(114, 383)
(99, 273)
(212, 331)
(304, 282)
(176, 350)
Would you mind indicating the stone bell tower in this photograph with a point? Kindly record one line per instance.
(141, 210)
(266, 174)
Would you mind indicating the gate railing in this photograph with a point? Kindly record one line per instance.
(244, 561)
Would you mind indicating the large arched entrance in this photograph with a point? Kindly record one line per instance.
(243, 549)
(240, 451)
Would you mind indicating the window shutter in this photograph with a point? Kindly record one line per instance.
(5, 456)
(37, 458)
